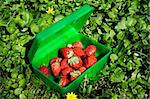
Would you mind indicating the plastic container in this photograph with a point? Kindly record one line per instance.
(48, 42)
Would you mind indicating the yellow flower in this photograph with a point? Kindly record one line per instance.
(50, 11)
(71, 96)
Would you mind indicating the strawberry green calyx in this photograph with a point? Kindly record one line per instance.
(57, 63)
(57, 59)
(73, 60)
(70, 54)
(69, 45)
(75, 73)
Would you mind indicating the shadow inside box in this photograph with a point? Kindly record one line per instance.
(28, 46)
(100, 56)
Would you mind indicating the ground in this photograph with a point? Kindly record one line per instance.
(122, 25)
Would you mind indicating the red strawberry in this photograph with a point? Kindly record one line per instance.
(66, 52)
(66, 71)
(74, 75)
(64, 64)
(82, 69)
(89, 61)
(78, 51)
(55, 67)
(75, 62)
(57, 59)
(90, 50)
(63, 81)
(77, 44)
(44, 70)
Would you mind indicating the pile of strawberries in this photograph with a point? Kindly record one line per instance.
(73, 61)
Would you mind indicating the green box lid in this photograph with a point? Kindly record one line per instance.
(74, 21)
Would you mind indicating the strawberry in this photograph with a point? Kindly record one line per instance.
(57, 59)
(89, 61)
(77, 44)
(55, 67)
(66, 71)
(82, 69)
(74, 75)
(78, 51)
(66, 52)
(64, 64)
(44, 70)
(75, 62)
(90, 50)
(63, 81)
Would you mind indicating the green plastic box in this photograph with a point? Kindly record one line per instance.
(48, 42)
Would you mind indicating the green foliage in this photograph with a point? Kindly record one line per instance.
(123, 25)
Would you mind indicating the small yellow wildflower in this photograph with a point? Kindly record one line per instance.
(71, 96)
(50, 11)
